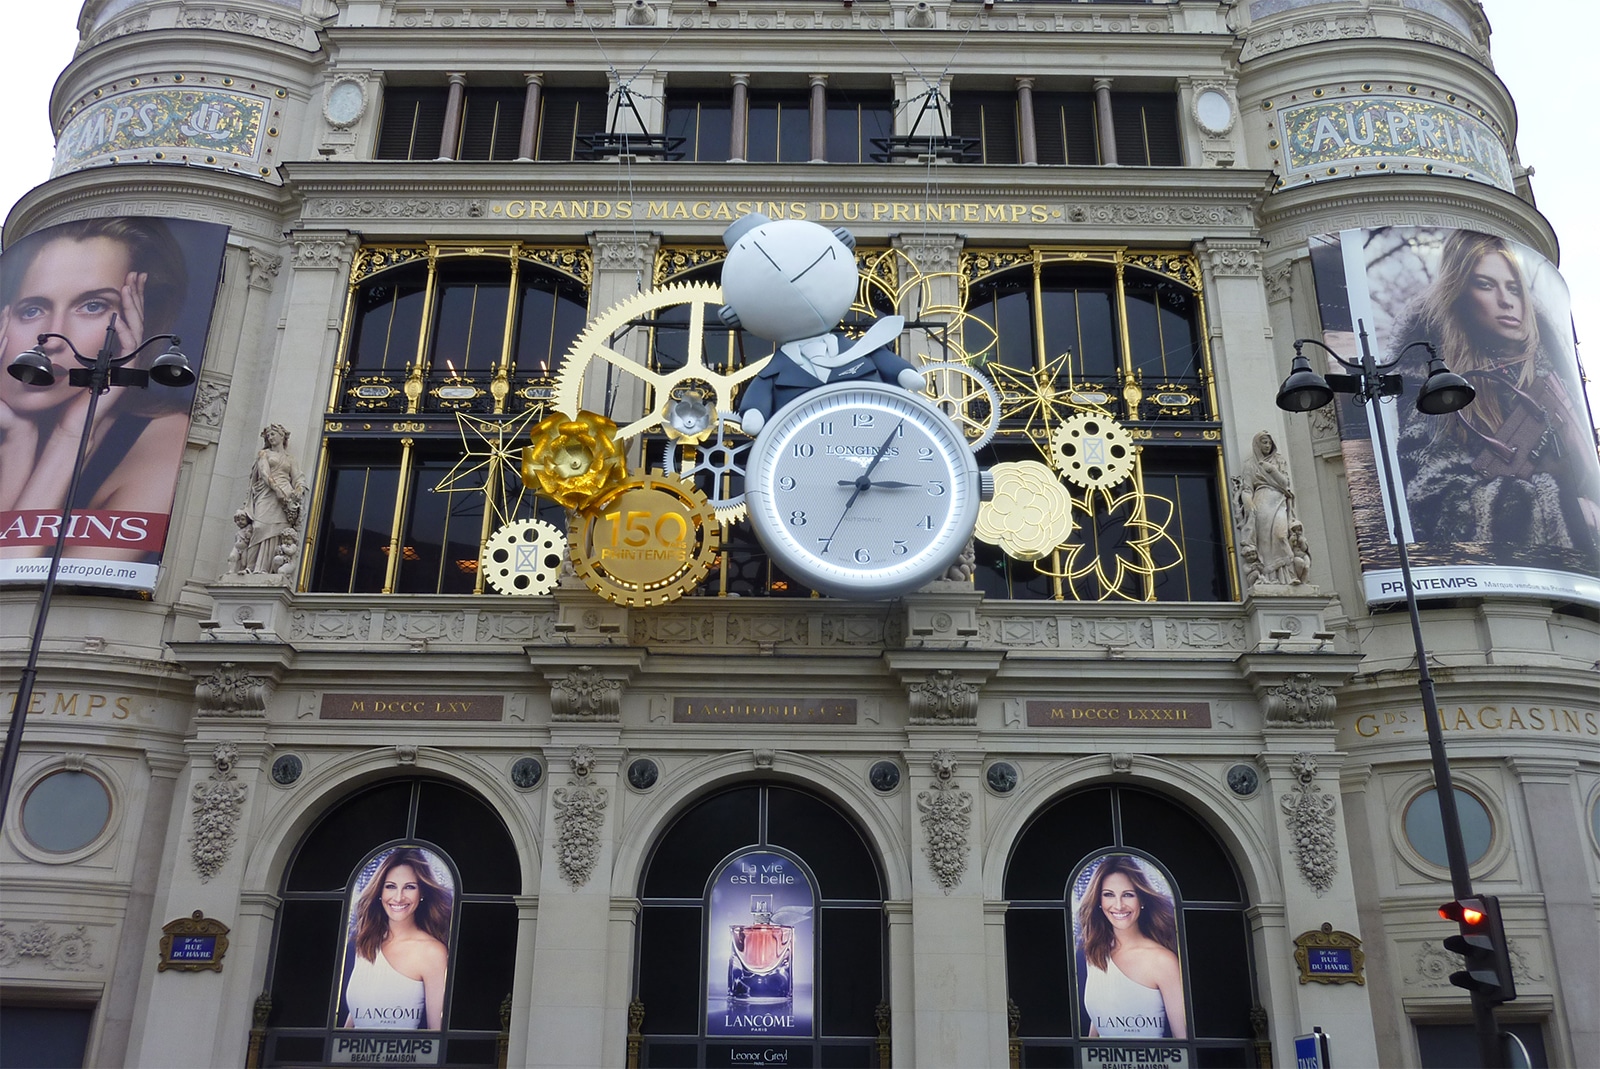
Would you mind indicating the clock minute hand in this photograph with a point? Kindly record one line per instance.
(887, 484)
(860, 482)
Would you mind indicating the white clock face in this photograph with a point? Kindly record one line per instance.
(862, 490)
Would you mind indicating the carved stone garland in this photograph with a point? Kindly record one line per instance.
(1300, 702)
(217, 802)
(946, 820)
(586, 694)
(1311, 826)
(52, 946)
(581, 809)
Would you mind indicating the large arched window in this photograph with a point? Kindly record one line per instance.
(407, 854)
(1116, 859)
(761, 928)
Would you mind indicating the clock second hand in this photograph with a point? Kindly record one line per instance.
(860, 482)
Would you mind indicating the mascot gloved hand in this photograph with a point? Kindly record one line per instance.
(791, 282)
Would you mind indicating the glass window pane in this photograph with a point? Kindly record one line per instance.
(762, 132)
(1055, 844)
(850, 946)
(357, 512)
(303, 968)
(443, 531)
(550, 314)
(66, 811)
(485, 959)
(480, 844)
(44, 1037)
(699, 839)
(469, 317)
(1187, 482)
(827, 842)
(332, 849)
(1038, 970)
(794, 133)
(1425, 828)
(388, 317)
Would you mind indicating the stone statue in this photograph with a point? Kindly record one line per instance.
(268, 542)
(1271, 541)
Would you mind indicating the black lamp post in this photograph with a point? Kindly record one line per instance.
(97, 375)
(1441, 393)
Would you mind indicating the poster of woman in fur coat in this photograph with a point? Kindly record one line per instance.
(1503, 496)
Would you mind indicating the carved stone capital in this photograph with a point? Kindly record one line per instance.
(943, 696)
(1231, 259)
(931, 253)
(232, 690)
(586, 694)
(1300, 702)
(943, 687)
(321, 250)
(623, 251)
(263, 269)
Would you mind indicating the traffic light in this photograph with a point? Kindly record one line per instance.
(1483, 943)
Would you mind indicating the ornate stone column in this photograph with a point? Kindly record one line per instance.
(623, 264)
(739, 131)
(1030, 142)
(819, 118)
(1108, 129)
(451, 135)
(527, 145)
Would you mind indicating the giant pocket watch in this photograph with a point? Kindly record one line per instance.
(862, 490)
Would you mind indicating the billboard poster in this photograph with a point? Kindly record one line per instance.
(149, 276)
(396, 955)
(1130, 970)
(1502, 497)
(760, 948)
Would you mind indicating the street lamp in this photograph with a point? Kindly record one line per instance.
(97, 375)
(1441, 393)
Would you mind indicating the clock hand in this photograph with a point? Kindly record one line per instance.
(887, 484)
(860, 482)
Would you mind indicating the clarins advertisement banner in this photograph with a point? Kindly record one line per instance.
(1502, 497)
(140, 277)
(398, 945)
(1130, 967)
(760, 948)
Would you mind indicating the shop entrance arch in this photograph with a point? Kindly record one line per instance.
(761, 935)
(1126, 935)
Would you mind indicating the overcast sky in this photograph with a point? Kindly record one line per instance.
(1541, 49)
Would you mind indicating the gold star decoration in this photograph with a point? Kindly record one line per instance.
(1037, 398)
(490, 447)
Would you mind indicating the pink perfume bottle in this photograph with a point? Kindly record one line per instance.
(760, 969)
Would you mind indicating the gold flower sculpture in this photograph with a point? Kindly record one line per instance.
(573, 461)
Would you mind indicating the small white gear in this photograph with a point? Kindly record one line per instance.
(1092, 451)
(717, 467)
(524, 557)
(963, 392)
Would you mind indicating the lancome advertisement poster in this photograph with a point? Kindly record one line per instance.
(761, 948)
(1130, 966)
(1502, 497)
(138, 277)
(397, 942)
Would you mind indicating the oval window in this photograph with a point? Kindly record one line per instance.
(66, 811)
(1425, 831)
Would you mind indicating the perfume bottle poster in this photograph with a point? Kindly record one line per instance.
(1125, 927)
(760, 948)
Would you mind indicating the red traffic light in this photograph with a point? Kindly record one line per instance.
(1468, 911)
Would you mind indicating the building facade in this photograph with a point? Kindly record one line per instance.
(442, 223)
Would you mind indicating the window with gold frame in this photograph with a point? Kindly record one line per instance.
(450, 352)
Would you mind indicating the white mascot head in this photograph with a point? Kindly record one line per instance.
(786, 279)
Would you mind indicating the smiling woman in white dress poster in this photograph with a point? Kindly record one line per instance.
(1130, 974)
(397, 942)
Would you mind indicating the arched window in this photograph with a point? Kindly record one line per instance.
(1114, 859)
(415, 853)
(761, 928)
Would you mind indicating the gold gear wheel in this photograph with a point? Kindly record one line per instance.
(593, 345)
(524, 557)
(650, 541)
(1092, 451)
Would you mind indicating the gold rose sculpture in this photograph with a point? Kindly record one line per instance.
(573, 460)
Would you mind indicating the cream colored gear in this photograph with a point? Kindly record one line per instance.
(1092, 451)
(524, 557)
(1030, 513)
(592, 346)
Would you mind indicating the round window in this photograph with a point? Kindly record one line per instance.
(66, 811)
(1425, 831)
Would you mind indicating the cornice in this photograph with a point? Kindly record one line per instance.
(1295, 212)
(134, 189)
